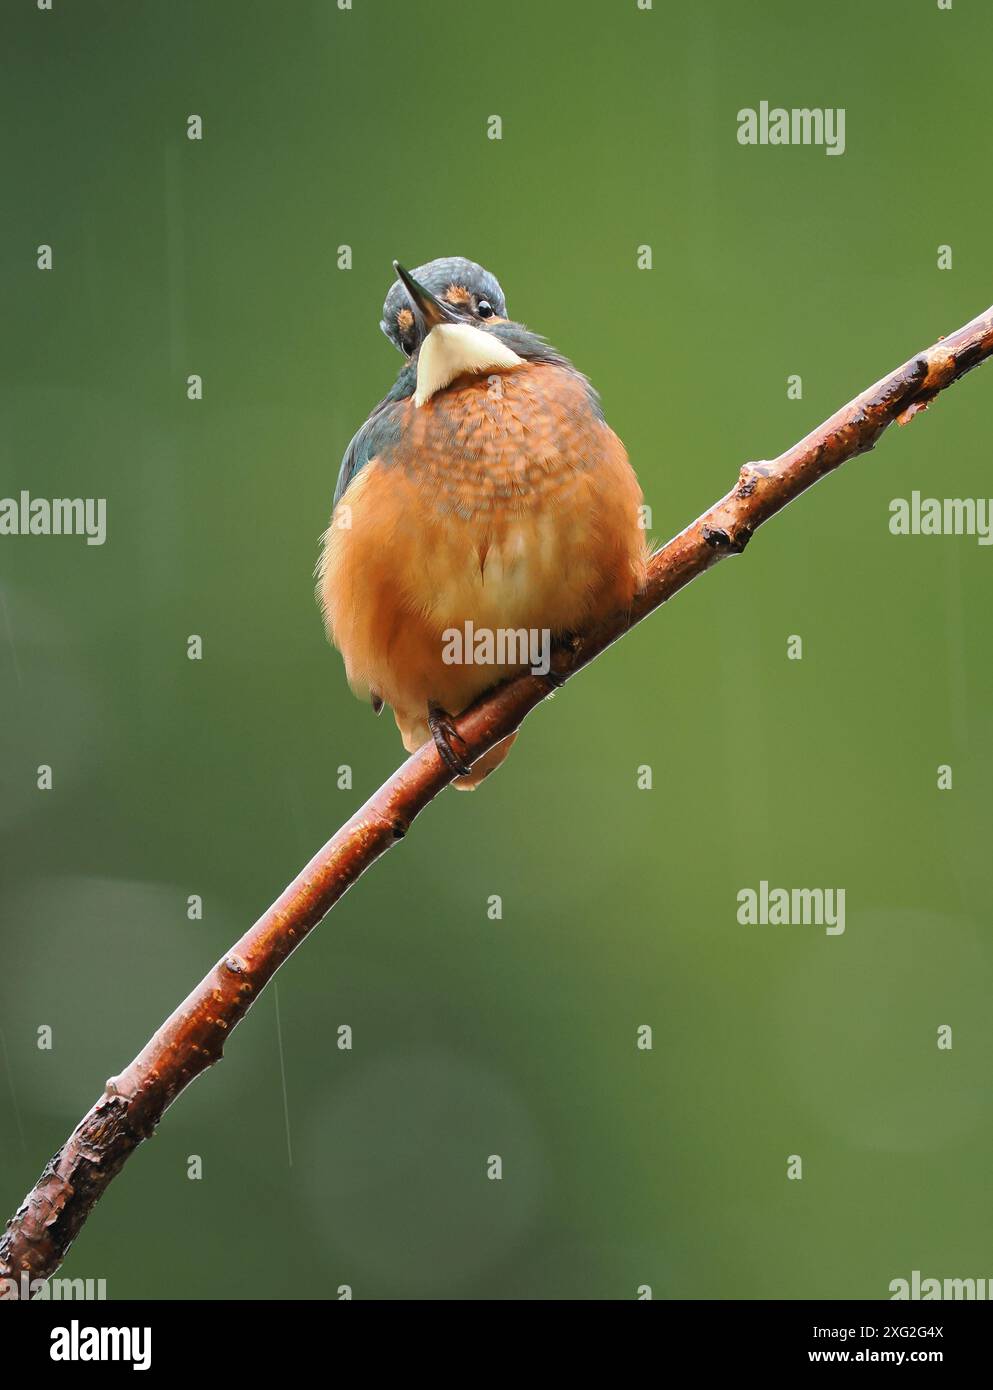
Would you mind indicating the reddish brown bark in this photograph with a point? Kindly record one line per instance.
(41, 1231)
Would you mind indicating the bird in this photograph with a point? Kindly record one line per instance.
(485, 494)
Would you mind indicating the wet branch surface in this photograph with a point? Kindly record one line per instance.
(49, 1219)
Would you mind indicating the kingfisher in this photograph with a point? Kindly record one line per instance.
(485, 494)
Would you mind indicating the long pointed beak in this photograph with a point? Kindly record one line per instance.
(431, 310)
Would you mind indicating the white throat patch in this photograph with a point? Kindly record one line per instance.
(451, 349)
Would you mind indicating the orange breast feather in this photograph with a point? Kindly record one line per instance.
(507, 508)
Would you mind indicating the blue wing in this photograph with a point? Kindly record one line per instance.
(380, 431)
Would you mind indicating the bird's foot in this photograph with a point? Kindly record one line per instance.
(443, 732)
(565, 642)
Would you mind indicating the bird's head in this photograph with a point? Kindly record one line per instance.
(447, 316)
(448, 290)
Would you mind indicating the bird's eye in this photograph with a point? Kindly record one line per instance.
(484, 309)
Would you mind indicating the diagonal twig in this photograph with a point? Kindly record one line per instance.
(192, 1039)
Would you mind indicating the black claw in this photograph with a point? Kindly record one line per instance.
(376, 700)
(443, 731)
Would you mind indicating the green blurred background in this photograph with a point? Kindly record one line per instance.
(471, 1037)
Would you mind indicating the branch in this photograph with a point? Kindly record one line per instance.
(192, 1039)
